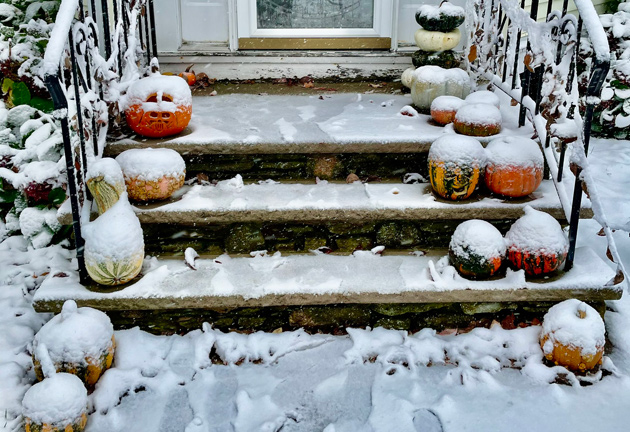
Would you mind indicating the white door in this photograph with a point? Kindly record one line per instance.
(315, 24)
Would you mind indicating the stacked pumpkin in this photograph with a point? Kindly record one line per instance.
(70, 353)
(437, 65)
(535, 244)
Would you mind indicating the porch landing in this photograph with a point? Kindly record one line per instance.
(322, 122)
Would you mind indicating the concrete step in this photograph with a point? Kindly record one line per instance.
(325, 123)
(293, 285)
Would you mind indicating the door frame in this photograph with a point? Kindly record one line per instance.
(250, 36)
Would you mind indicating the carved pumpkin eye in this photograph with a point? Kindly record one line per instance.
(153, 114)
(166, 115)
(152, 98)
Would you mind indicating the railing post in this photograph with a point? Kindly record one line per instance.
(61, 113)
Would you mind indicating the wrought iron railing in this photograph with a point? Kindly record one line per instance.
(93, 54)
(534, 62)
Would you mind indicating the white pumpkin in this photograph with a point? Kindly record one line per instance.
(407, 77)
(429, 82)
(437, 41)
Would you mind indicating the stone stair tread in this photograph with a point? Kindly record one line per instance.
(231, 201)
(337, 123)
(316, 279)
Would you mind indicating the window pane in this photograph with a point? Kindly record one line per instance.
(287, 14)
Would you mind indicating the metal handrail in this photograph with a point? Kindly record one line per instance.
(83, 93)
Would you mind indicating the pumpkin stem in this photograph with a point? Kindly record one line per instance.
(581, 311)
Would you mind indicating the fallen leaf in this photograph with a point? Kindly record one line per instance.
(309, 85)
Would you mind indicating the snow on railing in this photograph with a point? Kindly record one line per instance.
(535, 63)
(93, 55)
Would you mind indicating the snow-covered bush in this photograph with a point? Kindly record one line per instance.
(612, 117)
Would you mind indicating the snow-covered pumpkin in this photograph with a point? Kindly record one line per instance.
(573, 336)
(105, 182)
(455, 165)
(114, 245)
(536, 243)
(478, 120)
(79, 341)
(445, 59)
(485, 97)
(152, 174)
(158, 105)
(57, 404)
(514, 166)
(443, 18)
(477, 249)
(436, 40)
(429, 82)
(444, 108)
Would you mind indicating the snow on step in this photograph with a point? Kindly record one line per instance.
(324, 279)
(339, 123)
(232, 201)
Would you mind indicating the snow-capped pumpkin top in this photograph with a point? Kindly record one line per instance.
(116, 234)
(479, 114)
(446, 103)
(58, 400)
(151, 164)
(463, 150)
(477, 237)
(484, 96)
(514, 151)
(574, 323)
(537, 232)
(444, 18)
(437, 75)
(75, 333)
(175, 89)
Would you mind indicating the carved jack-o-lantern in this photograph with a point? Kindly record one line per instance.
(158, 106)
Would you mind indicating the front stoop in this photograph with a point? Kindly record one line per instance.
(302, 140)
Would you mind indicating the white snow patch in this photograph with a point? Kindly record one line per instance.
(514, 152)
(479, 114)
(59, 400)
(151, 164)
(478, 237)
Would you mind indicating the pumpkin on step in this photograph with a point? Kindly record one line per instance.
(477, 249)
(444, 108)
(430, 82)
(455, 165)
(158, 105)
(573, 336)
(443, 18)
(106, 183)
(444, 59)
(514, 166)
(114, 245)
(536, 243)
(79, 341)
(479, 120)
(57, 404)
(152, 174)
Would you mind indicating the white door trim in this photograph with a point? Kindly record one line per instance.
(247, 26)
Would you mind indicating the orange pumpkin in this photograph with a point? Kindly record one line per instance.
(573, 336)
(478, 120)
(536, 243)
(190, 77)
(477, 249)
(444, 108)
(158, 106)
(514, 167)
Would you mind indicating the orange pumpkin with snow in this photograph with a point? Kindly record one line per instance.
(158, 106)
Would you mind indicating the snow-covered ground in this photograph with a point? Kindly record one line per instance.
(375, 380)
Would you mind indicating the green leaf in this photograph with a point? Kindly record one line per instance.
(7, 195)
(7, 85)
(57, 196)
(42, 104)
(21, 94)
